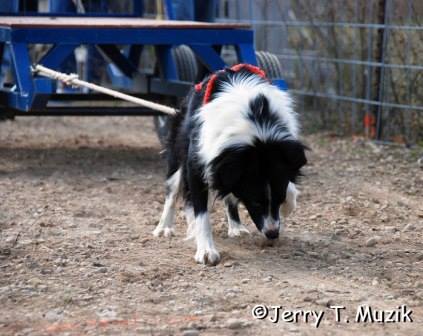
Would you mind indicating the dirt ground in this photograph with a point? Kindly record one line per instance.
(80, 198)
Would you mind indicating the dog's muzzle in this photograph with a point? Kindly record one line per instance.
(273, 234)
(271, 228)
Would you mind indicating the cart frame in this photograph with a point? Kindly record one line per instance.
(31, 94)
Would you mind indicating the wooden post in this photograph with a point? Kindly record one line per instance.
(376, 128)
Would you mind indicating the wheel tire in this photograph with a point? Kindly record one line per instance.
(186, 63)
(270, 64)
(187, 68)
(6, 114)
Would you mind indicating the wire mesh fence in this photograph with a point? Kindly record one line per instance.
(356, 66)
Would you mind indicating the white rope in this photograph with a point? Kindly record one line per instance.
(72, 79)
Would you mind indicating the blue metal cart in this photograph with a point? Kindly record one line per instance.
(178, 47)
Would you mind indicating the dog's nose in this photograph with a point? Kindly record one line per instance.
(272, 234)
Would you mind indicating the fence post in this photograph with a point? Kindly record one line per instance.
(380, 70)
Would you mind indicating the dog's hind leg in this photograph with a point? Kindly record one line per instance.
(190, 217)
(166, 224)
(188, 207)
(291, 200)
(235, 227)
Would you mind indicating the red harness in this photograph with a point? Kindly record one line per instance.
(235, 68)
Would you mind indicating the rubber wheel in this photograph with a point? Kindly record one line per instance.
(6, 114)
(187, 68)
(265, 60)
(269, 63)
(186, 63)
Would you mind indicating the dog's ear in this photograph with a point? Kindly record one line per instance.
(226, 170)
(260, 111)
(293, 154)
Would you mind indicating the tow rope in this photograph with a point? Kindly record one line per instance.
(72, 79)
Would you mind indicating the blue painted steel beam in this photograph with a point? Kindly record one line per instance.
(169, 10)
(120, 60)
(134, 54)
(281, 84)
(153, 36)
(138, 8)
(22, 71)
(246, 53)
(208, 56)
(57, 55)
(5, 34)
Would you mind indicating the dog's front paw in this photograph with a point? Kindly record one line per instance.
(166, 231)
(208, 256)
(235, 230)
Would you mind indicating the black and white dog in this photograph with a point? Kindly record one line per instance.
(237, 137)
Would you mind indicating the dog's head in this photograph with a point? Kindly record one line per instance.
(258, 175)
